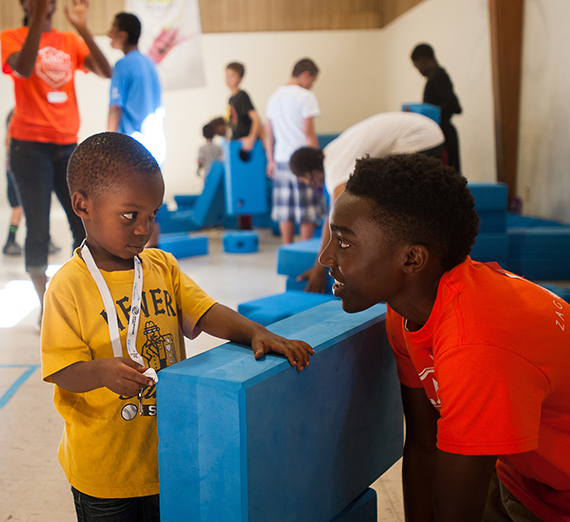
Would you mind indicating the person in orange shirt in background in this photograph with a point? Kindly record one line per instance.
(42, 62)
(483, 355)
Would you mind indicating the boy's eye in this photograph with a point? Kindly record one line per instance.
(342, 244)
(129, 215)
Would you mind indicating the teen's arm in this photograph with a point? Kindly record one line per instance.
(114, 118)
(269, 143)
(23, 61)
(249, 141)
(224, 323)
(310, 133)
(95, 61)
(120, 374)
(316, 276)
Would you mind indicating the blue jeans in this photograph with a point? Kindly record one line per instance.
(137, 509)
(40, 168)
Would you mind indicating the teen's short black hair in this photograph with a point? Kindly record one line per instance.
(131, 25)
(237, 67)
(100, 161)
(305, 160)
(304, 65)
(419, 200)
(423, 50)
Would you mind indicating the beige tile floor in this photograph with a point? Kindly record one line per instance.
(32, 485)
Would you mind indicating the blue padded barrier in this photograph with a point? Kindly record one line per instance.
(427, 109)
(540, 241)
(183, 244)
(492, 221)
(241, 241)
(491, 247)
(271, 309)
(325, 139)
(245, 179)
(257, 441)
(489, 196)
(518, 221)
(363, 509)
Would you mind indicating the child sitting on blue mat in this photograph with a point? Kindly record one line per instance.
(115, 315)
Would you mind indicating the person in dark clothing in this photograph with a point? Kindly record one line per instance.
(439, 91)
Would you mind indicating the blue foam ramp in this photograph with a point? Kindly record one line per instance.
(257, 441)
(271, 309)
(427, 109)
(245, 179)
(209, 209)
(540, 241)
(186, 201)
(241, 241)
(183, 244)
(363, 509)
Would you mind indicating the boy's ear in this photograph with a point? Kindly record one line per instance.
(80, 204)
(416, 258)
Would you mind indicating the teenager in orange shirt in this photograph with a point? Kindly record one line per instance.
(483, 355)
(42, 62)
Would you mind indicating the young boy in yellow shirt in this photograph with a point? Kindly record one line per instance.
(105, 365)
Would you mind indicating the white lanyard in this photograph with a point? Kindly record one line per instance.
(112, 320)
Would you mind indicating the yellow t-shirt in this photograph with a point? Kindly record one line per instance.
(108, 450)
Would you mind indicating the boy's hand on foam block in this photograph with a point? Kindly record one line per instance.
(297, 352)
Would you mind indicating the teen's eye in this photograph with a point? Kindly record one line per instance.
(130, 215)
(342, 244)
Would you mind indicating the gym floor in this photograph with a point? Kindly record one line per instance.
(32, 484)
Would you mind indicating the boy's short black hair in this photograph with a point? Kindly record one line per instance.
(306, 64)
(237, 67)
(208, 131)
(101, 160)
(423, 50)
(419, 200)
(131, 25)
(305, 160)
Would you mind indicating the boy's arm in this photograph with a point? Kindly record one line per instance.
(95, 61)
(439, 486)
(269, 142)
(249, 141)
(310, 133)
(223, 322)
(121, 375)
(114, 118)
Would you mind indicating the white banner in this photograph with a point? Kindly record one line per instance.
(171, 37)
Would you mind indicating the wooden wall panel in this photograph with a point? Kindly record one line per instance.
(221, 16)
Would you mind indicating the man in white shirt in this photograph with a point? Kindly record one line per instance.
(378, 136)
(290, 115)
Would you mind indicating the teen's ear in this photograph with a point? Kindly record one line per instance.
(416, 258)
(80, 204)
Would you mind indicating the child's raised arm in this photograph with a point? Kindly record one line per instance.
(121, 375)
(221, 321)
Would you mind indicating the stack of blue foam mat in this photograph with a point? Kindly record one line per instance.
(241, 241)
(183, 244)
(273, 308)
(427, 109)
(492, 243)
(258, 441)
(296, 258)
(540, 253)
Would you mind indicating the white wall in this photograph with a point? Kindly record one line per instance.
(544, 154)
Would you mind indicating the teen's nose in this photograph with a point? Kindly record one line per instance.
(326, 257)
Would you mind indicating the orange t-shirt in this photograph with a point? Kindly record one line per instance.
(494, 359)
(46, 106)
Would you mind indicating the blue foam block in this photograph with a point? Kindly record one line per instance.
(183, 245)
(209, 210)
(268, 310)
(363, 509)
(560, 291)
(427, 109)
(176, 221)
(295, 258)
(540, 241)
(325, 139)
(186, 201)
(491, 247)
(245, 179)
(492, 221)
(291, 284)
(257, 441)
(489, 196)
(541, 268)
(518, 221)
(241, 241)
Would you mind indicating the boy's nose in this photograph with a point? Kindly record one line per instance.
(325, 257)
